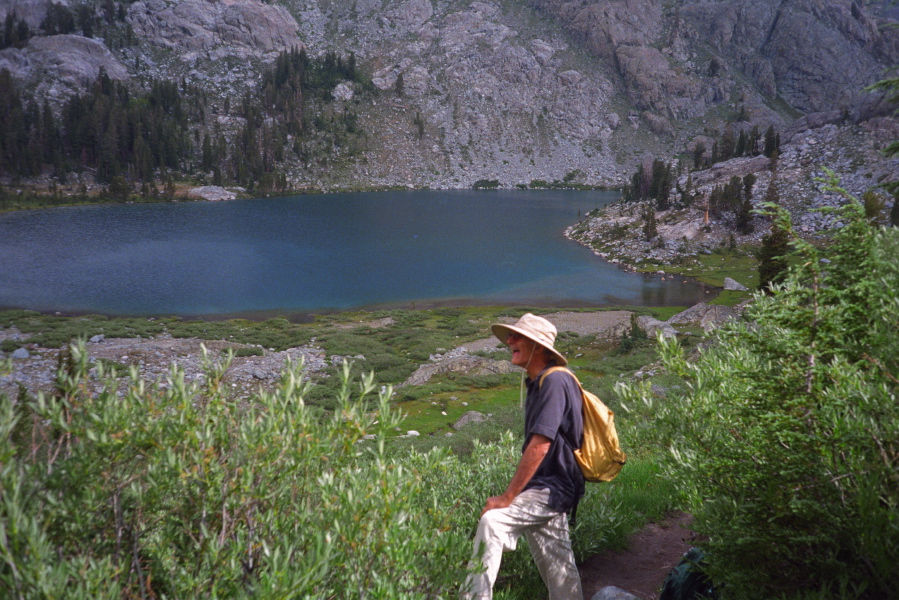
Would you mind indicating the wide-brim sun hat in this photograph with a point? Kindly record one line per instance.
(534, 328)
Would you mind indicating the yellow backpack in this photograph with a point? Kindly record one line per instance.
(600, 457)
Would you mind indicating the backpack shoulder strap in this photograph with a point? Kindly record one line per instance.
(553, 370)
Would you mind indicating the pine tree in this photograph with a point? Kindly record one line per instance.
(727, 146)
(748, 183)
(752, 145)
(650, 227)
(698, 155)
(771, 142)
(740, 150)
(744, 217)
(660, 184)
(733, 194)
(773, 263)
(775, 246)
(744, 213)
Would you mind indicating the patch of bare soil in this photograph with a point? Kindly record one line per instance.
(641, 568)
(603, 323)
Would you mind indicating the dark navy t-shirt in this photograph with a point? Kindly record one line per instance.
(554, 410)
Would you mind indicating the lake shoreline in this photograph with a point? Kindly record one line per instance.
(300, 317)
(184, 194)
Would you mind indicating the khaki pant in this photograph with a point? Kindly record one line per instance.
(547, 534)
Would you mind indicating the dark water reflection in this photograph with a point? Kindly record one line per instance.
(314, 253)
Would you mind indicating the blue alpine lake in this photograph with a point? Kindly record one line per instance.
(317, 253)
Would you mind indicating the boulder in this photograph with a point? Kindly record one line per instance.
(611, 592)
(20, 353)
(468, 418)
(385, 79)
(543, 52)
(653, 327)
(213, 193)
(707, 316)
(570, 77)
(658, 124)
(691, 316)
(343, 91)
(733, 285)
(717, 316)
(416, 81)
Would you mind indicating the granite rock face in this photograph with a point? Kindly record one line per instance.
(216, 28)
(514, 92)
(818, 56)
(467, 365)
(212, 193)
(30, 11)
(60, 65)
(682, 60)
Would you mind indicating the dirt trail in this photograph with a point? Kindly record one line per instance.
(641, 568)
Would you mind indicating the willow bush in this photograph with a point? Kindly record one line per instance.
(786, 438)
(159, 492)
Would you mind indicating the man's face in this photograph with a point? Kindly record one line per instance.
(522, 349)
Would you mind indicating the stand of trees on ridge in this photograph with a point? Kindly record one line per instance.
(106, 19)
(133, 137)
(656, 184)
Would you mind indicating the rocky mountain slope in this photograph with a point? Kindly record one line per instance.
(799, 176)
(503, 90)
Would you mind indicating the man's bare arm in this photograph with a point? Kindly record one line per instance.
(531, 458)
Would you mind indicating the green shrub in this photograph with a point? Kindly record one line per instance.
(485, 184)
(163, 492)
(9, 345)
(786, 439)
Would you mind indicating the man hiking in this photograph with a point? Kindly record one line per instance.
(548, 482)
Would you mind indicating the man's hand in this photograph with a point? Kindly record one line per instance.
(496, 502)
(531, 458)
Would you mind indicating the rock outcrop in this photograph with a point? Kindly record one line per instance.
(61, 65)
(465, 364)
(468, 418)
(731, 284)
(818, 56)
(653, 327)
(215, 28)
(707, 316)
(681, 60)
(213, 193)
(513, 92)
(30, 11)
